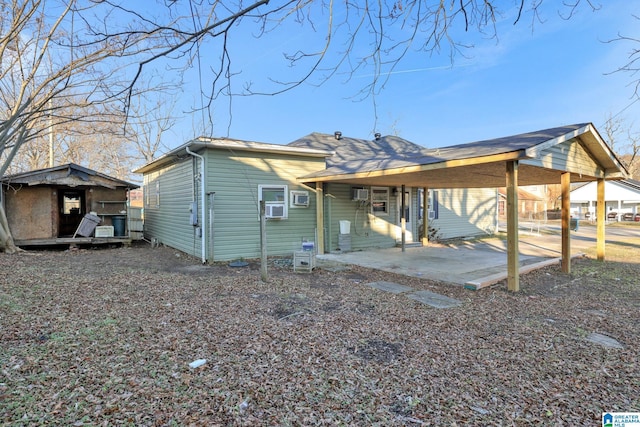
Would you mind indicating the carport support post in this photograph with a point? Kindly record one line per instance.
(403, 220)
(425, 216)
(513, 252)
(600, 218)
(565, 183)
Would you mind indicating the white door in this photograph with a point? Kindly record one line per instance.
(408, 236)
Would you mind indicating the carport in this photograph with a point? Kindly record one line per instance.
(561, 155)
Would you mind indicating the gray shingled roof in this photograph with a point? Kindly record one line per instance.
(389, 152)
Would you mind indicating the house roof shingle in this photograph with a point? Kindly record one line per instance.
(367, 161)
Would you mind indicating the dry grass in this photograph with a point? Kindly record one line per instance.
(105, 337)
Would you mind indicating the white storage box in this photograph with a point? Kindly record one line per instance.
(304, 260)
(104, 231)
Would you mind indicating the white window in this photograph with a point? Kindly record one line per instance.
(299, 199)
(380, 201)
(275, 200)
(433, 204)
(152, 194)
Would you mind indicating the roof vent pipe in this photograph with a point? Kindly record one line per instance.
(377, 135)
(338, 135)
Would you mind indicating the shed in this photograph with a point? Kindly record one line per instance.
(47, 206)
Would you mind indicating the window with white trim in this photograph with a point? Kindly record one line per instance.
(433, 204)
(152, 194)
(275, 200)
(380, 201)
(299, 199)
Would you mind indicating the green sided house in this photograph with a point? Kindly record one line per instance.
(350, 194)
(203, 198)
(232, 176)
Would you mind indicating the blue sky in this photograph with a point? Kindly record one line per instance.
(556, 74)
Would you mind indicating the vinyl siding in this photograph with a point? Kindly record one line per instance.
(367, 230)
(235, 177)
(169, 222)
(568, 156)
(465, 212)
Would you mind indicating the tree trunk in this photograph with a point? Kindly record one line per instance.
(6, 240)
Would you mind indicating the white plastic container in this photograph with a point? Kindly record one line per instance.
(345, 227)
(197, 363)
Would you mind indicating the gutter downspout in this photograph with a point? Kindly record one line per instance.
(203, 195)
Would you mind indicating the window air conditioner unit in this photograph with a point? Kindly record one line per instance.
(300, 199)
(360, 194)
(274, 211)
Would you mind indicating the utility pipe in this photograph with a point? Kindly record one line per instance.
(203, 195)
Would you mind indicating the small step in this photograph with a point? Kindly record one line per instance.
(409, 245)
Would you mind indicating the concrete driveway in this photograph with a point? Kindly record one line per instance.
(480, 263)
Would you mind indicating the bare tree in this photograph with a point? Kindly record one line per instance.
(149, 121)
(51, 72)
(60, 58)
(625, 142)
(632, 64)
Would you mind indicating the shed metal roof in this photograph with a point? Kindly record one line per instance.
(69, 174)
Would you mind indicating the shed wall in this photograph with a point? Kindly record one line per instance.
(107, 203)
(31, 213)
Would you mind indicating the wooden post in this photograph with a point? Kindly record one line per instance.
(263, 243)
(565, 182)
(403, 220)
(600, 220)
(425, 216)
(320, 218)
(513, 251)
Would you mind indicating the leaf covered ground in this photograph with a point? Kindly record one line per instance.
(105, 338)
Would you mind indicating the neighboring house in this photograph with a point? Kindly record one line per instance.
(531, 203)
(45, 205)
(238, 174)
(622, 200)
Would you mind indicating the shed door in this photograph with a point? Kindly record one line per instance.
(71, 206)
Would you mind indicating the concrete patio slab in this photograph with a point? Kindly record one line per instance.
(474, 264)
